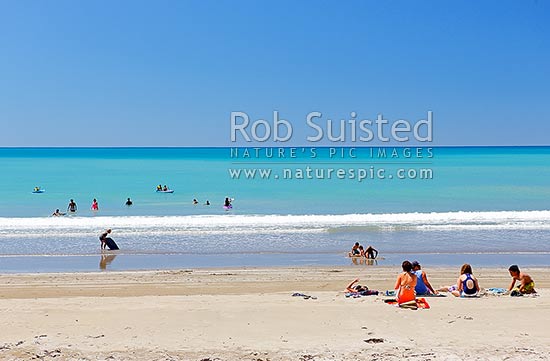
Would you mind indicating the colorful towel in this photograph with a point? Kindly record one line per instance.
(422, 303)
(496, 291)
(418, 303)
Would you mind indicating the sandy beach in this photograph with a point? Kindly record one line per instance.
(249, 314)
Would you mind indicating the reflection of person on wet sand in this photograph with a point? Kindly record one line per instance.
(106, 260)
(371, 261)
(361, 260)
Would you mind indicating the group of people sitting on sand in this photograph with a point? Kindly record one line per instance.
(359, 251)
(413, 282)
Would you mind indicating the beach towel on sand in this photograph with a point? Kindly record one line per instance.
(496, 291)
(418, 303)
(435, 295)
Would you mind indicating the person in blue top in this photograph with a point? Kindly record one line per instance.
(423, 286)
(467, 285)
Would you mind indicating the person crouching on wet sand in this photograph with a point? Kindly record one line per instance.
(526, 286)
(371, 253)
(355, 251)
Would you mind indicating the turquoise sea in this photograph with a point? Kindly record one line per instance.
(489, 206)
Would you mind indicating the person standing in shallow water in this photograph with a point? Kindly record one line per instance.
(72, 206)
(95, 205)
(103, 237)
(106, 241)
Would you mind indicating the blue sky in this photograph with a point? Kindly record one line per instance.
(144, 73)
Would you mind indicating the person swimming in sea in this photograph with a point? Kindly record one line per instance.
(195, 201)
(207, 203)
(129, 202)
(57, 213)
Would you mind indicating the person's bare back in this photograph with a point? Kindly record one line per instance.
(527, 285)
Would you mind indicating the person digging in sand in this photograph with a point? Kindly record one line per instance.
(526, 286)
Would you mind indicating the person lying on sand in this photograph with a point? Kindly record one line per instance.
(526, 286)
(359, 290)
(356, 288)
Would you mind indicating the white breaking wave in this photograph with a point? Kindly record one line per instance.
(212, 224)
